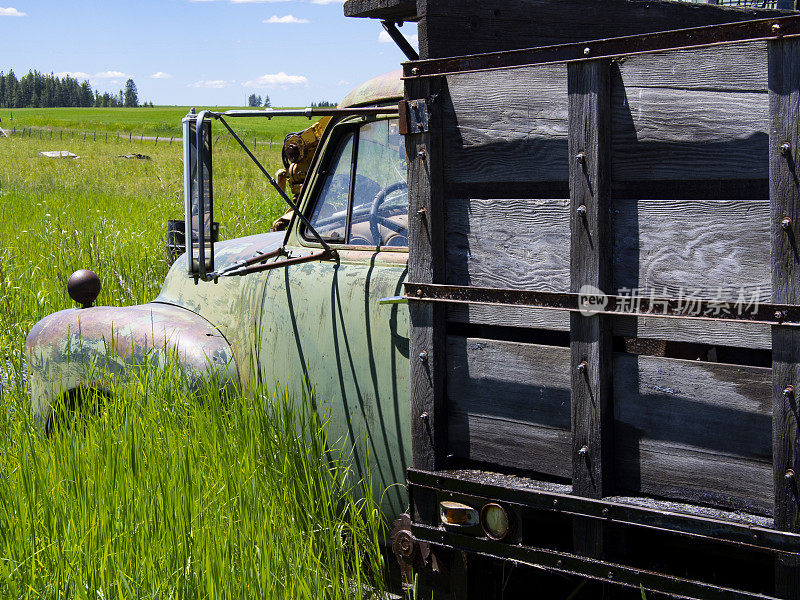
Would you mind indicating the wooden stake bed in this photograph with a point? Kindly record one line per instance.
(664, 173)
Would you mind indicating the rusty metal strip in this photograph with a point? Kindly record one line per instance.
(694, 526)
(578, 565)
(257, 268)
(689, 307)
(610, 47)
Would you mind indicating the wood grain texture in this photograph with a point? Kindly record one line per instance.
(663, 133)
(509, 404)
(714, 248)
(693, 431)
(426, 265)
(455, 27)
(744, 335)
(498, 129)
(784, 113)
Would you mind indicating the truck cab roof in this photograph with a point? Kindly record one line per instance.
(378, 90)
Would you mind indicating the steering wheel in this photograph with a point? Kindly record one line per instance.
(375, 218)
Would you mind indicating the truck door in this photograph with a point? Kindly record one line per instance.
(322, 324)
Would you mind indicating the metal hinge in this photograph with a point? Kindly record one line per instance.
(413, 116)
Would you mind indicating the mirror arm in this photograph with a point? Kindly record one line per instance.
(330, 251)
(256, 268)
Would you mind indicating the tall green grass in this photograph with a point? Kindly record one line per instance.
(157, 494)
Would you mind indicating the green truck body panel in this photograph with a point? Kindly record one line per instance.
(316, 325)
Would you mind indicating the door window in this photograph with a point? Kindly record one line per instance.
(366, 201)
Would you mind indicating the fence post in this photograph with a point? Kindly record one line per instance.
(106, 137)
(130, 136)
(84, 136)
(141, 140)
(61, 135)
(170, 140)
(254, 144)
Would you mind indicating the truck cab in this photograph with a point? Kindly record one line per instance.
(307, 326)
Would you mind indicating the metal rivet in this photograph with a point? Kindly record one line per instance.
(605, 512)
(755, 535)
(424, 416)
(421, 213)
(786, 148)
(580, 157)
(788, 391)
(583, 451)
(776, 28)
(415, 71)
(423, 356)
(779, 315)
(789, 475)
(786, 224)
(582, 367)
(581, 211)
(419, 293)
(559, 562)
(555, 502)
(421, 153)
(611, 575)
(586, 51)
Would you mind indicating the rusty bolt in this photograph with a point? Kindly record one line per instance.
(582, 367)
(423, 356)
(555, 502)
(580, 157)
(611, 575)
(559, 562)
(586, 51)
(789, 475)
(423, 416)
(779, 315)
(420, 126)
(581, 211)
(786, 148)
(415, 71)
(776, 28)
(583, 451)
(788, 392)
(421, 153)
(786, 224)
(419, 293)
(605, 512)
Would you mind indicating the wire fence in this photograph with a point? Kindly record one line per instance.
(44, 133)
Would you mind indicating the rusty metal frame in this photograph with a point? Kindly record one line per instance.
(712, 35)
(633, 306)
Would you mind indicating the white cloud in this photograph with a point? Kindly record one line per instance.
(385, 38)
(343, 82)
(284, 19)
(110, 75)
(276, 80)
(11, 12)
(160, 75)
(214, 84)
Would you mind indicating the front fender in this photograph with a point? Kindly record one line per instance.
(79, 348)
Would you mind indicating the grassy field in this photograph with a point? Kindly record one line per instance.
(157, 495)
(164, 121)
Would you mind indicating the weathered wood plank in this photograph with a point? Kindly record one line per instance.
(728, 68)
(426, 264)
(693, 431)
(784, 143)
(711, 248)
(666, 133)
(455, 27)
(509, 404)
(744, 335)
(496, 129)
(592, 408)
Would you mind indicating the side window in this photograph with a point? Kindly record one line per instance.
(373, 209)
(330, 213)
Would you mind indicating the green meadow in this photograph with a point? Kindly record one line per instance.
(153, 493)
(164, 121)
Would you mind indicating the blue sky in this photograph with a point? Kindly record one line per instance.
(199, 52)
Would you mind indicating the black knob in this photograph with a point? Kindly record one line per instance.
(83, 287)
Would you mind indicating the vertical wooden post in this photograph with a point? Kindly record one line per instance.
(426, 265)
(784, 191)
(590, 272)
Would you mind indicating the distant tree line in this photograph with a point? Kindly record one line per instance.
(323, 104)
(254, 100)
(39, 90)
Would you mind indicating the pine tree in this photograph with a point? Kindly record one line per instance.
(131, 95)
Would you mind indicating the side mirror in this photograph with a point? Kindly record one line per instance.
(198, 194)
